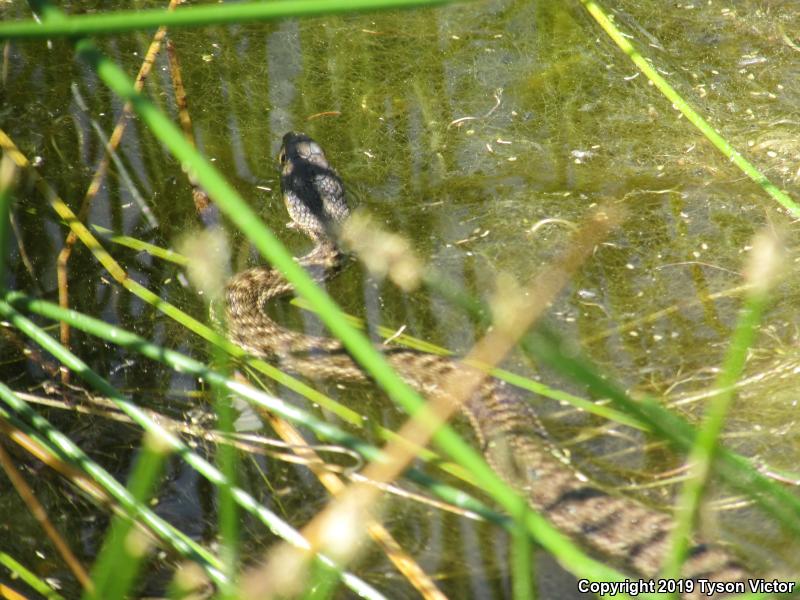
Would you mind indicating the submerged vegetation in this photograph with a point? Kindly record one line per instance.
(551, 200)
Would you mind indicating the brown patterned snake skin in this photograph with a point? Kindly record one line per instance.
(616, 528)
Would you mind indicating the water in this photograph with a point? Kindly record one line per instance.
(481, 132)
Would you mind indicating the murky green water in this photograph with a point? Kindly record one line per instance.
(479, 131)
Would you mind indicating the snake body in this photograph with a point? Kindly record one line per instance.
(512, 439)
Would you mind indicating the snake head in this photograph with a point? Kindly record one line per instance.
(312, 190)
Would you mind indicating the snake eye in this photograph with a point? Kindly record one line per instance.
(282, 156)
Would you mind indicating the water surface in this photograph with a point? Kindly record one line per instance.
(481, 132)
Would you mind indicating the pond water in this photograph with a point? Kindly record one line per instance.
(481, 132)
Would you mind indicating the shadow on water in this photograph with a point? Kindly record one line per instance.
(480, 132)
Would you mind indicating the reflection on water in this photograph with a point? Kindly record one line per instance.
(481, 132)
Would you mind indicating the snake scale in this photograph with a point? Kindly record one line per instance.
(616, 528)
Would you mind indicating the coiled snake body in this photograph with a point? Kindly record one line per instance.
(512, 439)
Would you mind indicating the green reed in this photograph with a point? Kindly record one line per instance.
(118, 562)
(712, 135)
(7, 176)
(29, 577)
(193, 16)
(762, 273)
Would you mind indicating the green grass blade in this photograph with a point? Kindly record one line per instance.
(523, 583)
(227, 460)
(322, 582)
(193, 16)
(138, 245)
(711, 134)
(29, 577)
(762, 266)
(702, 454)
(7, 176)
(124, 548)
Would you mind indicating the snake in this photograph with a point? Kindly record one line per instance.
(621, 530)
